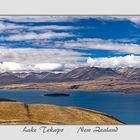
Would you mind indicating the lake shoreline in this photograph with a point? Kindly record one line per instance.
(78, 90)
(94, 86)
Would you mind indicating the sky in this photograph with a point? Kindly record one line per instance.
(63, 43)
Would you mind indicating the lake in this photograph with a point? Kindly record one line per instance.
(125, 107)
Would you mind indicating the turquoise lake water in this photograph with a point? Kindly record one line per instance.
(125, 107)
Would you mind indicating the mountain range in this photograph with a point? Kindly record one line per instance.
(78, 74)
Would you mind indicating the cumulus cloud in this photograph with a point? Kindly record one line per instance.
(48, 67)
(10, 66)
(18, 67)
(40, 59)
(112, 62)
(115, 62)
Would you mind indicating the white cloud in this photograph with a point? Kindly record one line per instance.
(100, 44)
(112, 62)
(18, 67)
(134, 19)
(10, 66)
(32, 59)
(51, 27)
(48, 67)
(115, 62)
(43, 18)
(32, 35)
(33, 55)
(9, 26)
(21, 30)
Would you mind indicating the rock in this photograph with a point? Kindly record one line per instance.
(74, 87)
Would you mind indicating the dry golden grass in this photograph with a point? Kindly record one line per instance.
(20, 113)
(13, 111)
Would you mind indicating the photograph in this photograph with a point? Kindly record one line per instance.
(69, 70)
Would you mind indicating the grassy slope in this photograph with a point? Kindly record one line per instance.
(20, 113)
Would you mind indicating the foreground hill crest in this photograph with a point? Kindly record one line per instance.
(20, 113)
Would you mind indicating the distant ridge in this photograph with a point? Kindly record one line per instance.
(78, 74)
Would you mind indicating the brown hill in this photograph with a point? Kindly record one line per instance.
(20, 113)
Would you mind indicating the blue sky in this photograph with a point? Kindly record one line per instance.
(62, 43)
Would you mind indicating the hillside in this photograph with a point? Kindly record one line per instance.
(20, 113)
